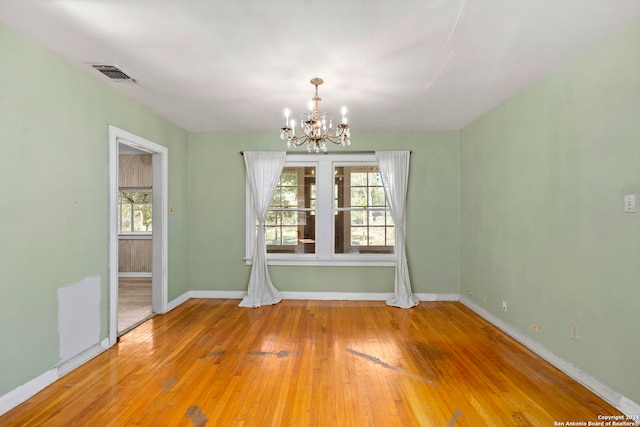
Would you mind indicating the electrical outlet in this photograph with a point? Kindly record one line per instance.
(471, 294)
(630, 203)
(504, 306)
(575, 332)
(534, 327)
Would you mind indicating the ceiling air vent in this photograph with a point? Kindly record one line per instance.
(113, 72)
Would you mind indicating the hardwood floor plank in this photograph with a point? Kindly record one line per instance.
(316, 363)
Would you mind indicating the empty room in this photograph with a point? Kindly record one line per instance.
(292, 213)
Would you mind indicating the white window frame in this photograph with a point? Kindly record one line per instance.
(119, 210)
(324, 256)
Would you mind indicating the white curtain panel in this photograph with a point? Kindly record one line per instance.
(263, 172)
(394, 170)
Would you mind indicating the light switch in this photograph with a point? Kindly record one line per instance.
(170, 209)
(630, 203)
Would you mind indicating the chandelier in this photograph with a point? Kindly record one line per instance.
(317, 126)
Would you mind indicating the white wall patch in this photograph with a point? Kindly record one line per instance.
(79, 317)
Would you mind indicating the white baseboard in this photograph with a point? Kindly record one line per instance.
(81, 358)
(135, 274)
(29, 389)
(336, 296)
(204, 294)
(363, 296)
(629, 407)
(218, 294)
(622, 403)
(438, 297)
(176, 302)
(320, 296)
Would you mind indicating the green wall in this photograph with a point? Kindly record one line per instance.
(542, 183)
(54, 188)
(217, 216)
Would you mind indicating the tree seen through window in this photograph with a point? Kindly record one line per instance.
(135, 213)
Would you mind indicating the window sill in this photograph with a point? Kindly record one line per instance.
(136, 236)
(376, 261)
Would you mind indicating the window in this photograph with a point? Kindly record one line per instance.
(327, 209)
(134, 212)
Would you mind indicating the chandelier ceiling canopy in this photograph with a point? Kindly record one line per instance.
(317, 126)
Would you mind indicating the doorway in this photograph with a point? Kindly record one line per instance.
(135, 238)
(147, 290)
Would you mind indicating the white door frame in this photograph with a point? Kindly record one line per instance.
(160, 224)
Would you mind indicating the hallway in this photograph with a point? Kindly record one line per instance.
(134, 303)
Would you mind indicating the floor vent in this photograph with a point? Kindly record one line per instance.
(113, 72)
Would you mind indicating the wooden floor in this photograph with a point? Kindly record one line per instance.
(134, 302)
(313, 363)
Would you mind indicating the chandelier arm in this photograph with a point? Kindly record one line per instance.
(333, 139)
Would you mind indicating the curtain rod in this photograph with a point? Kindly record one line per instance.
(342, 152)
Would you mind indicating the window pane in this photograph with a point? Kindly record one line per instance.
(147, 217)
(289, 235)
(140, 221)
(119, 216)
(126, 218)
(362, 220)
(271, 218)
(359, 236)
(277, 197)
(358, 178)
(376, 236)
(289, 197)
(293, 230)
(359, 197)
(358, 217)
(377, 196)
(289, 217)
(289, 176)
(296, 188)
(271, 236)
(377, 217)
(374, 178)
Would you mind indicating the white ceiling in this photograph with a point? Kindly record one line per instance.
(398, 65)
